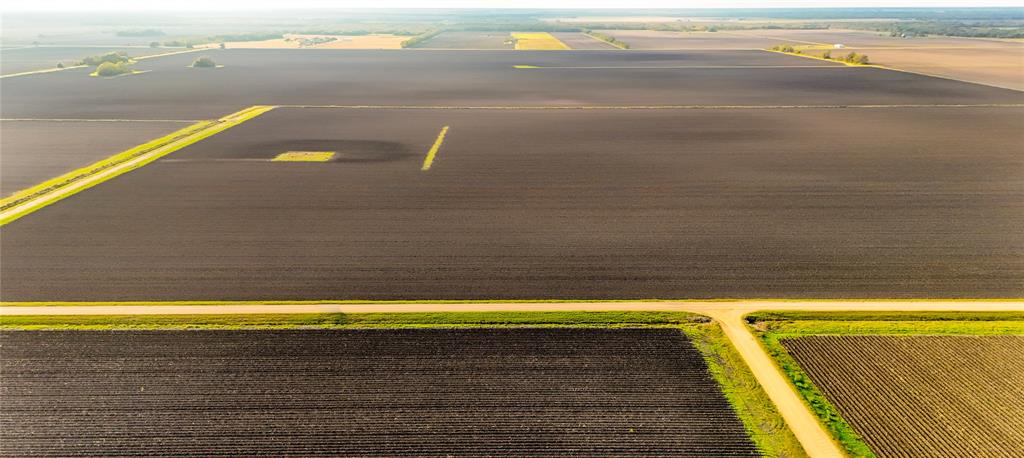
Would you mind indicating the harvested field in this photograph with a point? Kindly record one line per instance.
(537, 41)
(995, 66)
(576, 40)
(923, 396)
(867, 39)
(392, 392)
(532, 204)
(34, 151)
(397, 77)
(468, 40)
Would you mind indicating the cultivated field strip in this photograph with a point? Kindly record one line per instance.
(373, 392)
(923, 396)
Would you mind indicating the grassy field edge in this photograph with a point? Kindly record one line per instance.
(751, 403)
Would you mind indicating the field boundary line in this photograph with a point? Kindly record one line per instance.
(653, 107)
(618, 45)
(429, 160)
(183, 121)
(511, 305)
(46, 70)
(53, 190)
(682, 67)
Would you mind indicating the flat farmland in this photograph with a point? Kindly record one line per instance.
(1000, 66)
(927, 396)
(34, 151)
(576, 40)
(171, 90)
(468, 40)
(536, 392)
(559, 204)
(665, 40)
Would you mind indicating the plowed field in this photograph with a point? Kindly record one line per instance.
(523, 392)
(923, 396)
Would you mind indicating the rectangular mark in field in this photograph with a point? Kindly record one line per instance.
(429, 160)
(304, 156)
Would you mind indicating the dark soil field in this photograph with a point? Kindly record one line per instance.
(459, 78)
(468, 40)
(34, 151)
(567, 204)
(577, 40)
(923, 396)
(520, 392)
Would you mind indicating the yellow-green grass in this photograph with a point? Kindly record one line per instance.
(304, 156)
(525, 66)
(47, 192)
(538, 41)
(760, 418)
(772, 327)
(429, 160)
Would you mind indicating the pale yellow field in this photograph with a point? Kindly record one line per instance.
(538, 41)
(295, 41)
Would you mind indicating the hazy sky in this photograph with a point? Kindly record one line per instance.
(145, 5)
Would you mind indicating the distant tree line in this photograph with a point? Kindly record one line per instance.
(141, 33)
(116, 57)
(607, 39)
(421, 38)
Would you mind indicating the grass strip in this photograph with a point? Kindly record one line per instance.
(172, 143)
(771, 327)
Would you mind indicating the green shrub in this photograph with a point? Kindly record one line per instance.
(113, 69)
(110, 57)
(204, 62)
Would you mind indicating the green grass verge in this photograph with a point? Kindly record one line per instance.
(760, 418)
(773, 327)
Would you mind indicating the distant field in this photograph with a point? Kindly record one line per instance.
(392, 392)
(577, 40)
(295, 41)
(468, 40)
(24, 59)
(537, 41)
(655, 40)
(926, 396)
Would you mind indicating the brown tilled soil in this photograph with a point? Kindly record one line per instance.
(439, 77)
(520, 204)
(923, 396)
(34, 151)
(516, 392)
